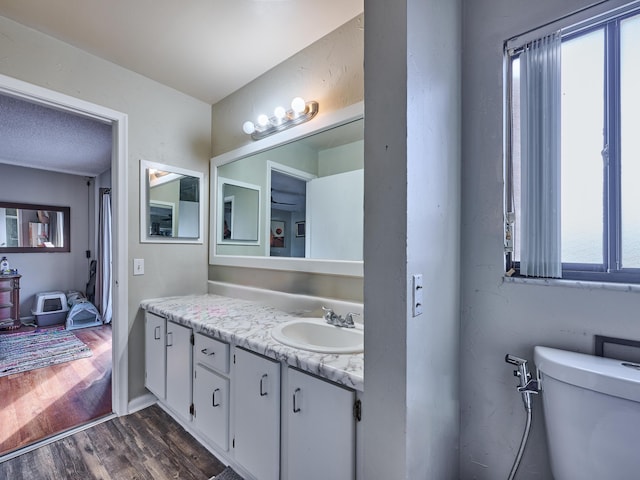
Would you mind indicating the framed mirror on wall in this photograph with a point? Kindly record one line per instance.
(310, 185)
(27, 228)
(171, 204)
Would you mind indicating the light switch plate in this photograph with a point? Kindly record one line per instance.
(138, 266)
(418, 295)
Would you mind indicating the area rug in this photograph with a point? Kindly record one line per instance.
(227, 474)
(23, 351)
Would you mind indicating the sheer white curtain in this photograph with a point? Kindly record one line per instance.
(103, 270)
(540, 157)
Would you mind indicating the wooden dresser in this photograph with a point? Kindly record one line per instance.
(10, 302)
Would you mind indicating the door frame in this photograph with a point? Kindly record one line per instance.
(119, 185)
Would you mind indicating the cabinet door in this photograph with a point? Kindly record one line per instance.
(257, 414)
(154, 354)
(179, 371)
(211, 401)
(320, 429)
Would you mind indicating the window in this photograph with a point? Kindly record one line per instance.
(599, 154)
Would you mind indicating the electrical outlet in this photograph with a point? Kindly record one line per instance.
(138, 266)
(418, 295)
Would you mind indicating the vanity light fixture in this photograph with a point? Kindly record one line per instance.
(281, 119)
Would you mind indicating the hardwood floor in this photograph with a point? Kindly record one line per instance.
(148, 444)
(43, 402)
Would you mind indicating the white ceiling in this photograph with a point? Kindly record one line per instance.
(205, 48)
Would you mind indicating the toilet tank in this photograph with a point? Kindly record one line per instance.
(592, 415)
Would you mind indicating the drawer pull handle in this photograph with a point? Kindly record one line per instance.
(169, 342)
(205, 351)
(296, 409)
(156, 333)
(262, 391)
(213, 398)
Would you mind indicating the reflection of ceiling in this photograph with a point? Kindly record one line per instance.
(287, 193)
(334, 137)
(42, 137)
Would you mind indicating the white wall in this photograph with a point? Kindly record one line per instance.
(497, 317)
(44, 272)
(412, 214)
(165, 126)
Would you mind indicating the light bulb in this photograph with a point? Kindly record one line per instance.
(248, 127)
(298, 105)
(263, 120)
(279, 113)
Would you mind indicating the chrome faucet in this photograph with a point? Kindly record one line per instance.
(334, 319)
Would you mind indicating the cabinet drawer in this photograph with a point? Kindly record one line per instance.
(212, 353)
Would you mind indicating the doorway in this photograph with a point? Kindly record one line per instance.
(288, 214)
(118, 121)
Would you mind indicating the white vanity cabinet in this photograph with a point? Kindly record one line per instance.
(269, 420)
(168, 367)
(155, 354)
(211, 390)
(257, 414)
(320, 427)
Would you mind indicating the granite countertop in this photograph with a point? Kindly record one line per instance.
(248, 324)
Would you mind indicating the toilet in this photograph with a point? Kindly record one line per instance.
(592, 414)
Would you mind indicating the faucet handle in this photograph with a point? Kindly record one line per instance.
(348, 319)
(329, 314)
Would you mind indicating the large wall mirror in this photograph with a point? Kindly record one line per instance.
(26, 228)
(293, 201)
(171, 209)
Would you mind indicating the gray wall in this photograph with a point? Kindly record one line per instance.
(329, 71)
(165, 126)
(498, 317)
(412, 218)
(44, 272)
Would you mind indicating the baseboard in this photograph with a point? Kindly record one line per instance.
(141, 402)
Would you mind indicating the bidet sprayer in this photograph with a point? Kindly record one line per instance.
(527, 384)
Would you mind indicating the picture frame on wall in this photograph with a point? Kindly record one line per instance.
(277, 234)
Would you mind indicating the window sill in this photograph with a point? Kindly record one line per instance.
(583, 284)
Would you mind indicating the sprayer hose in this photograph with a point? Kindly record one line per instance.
(523, 444)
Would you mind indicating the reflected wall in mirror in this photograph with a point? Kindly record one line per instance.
(26, 228)
(312, 191)
(170, 204)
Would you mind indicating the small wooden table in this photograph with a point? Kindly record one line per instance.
(10, 302)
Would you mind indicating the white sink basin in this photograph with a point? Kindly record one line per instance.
(316, 335)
